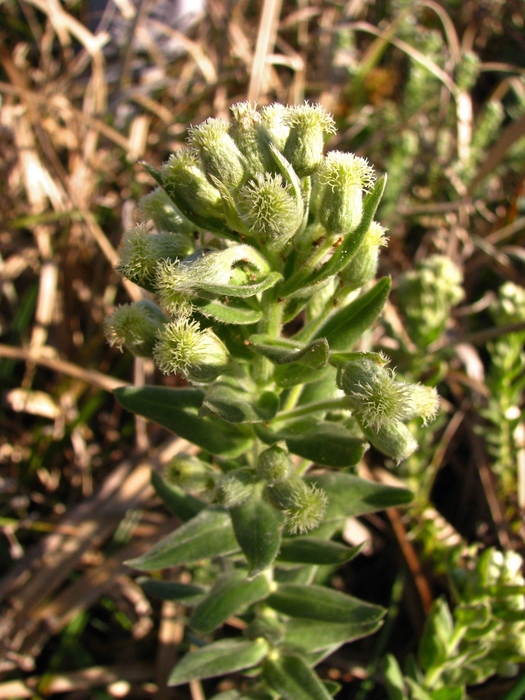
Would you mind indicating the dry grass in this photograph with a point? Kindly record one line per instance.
(75, 494)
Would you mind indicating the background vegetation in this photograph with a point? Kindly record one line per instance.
(433, 94)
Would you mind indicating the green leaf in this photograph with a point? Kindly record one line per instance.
(322, 442)
(393, 678)
(287, 376)
(155, 174)
(209, 534)
(434, 647)
(282, 351)
(291, 677)
(181, 504)
(308, 636)
(229, 595)
(312, 550)
(217, 659)
(350, 496)
(237, 406)
(172, 590)
(321, 603)
(177, 410)
(231, 311)
(343, 328)
(449, 693)
(242, 290)
(257, 525)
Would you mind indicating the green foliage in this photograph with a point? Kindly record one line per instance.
(282, 233)
(506, 381)
(481, 637)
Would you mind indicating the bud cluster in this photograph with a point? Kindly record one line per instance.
(263, 179)
(382, 405)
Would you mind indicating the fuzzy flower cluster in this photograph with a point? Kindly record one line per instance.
(382, 405)
(230, 201)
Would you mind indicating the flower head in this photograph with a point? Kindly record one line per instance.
(198, 354)
(304, 145)
(135, 326)
(344, 178)
(141, 252)
(269, 209)
(302, 505)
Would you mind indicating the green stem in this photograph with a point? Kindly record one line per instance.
(270, 324)
(341, 402)
(300, 278)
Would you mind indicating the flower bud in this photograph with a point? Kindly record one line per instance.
(140, 253)
(274, 464)
(423, 402)
(304, 145)
(234, 488)
(158, 207)
(135, 326)
(190, 473)
(393, 439)
(186, 184)
(373, 393)
(198, 354)
(363, 266)
(302, 505)
(251, 137)
(219, 153)
(344, 178)
(269, 210)
(275, 125)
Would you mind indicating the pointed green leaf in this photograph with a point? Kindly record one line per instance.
(308, 636)
(172, 590)
(217, 659)
(181, 504)
(350, 496)
(321, 603)
(209, 534)
(257, 526)
(322, 442)
(434, 647)
(282, 351)
(292, 678)
(233, 311)
(234, 405)
(343, 328)
(229, 595)
(177, 410)
(393, 677)
(311, 550)
(155, 174)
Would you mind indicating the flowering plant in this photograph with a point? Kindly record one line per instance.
(261, 255)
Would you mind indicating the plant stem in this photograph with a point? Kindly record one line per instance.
(341, 402)
(270, 325)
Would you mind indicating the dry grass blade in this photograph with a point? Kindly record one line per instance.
(26, 624)
(416, 55)
(90, 376)
(265, 42)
